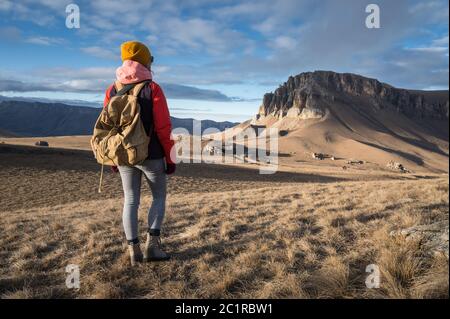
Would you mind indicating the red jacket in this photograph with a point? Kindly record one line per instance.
(161, 118)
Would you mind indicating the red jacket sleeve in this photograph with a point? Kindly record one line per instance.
(107, 95)
(161, 121)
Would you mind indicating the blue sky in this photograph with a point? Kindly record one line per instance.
(216, 59)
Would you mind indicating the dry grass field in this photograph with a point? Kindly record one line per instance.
(305, 232)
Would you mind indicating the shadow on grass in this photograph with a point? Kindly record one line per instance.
(54, 159)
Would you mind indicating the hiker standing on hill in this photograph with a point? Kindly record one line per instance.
(154, 113)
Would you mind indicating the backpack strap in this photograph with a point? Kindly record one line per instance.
(124, 89)
(133, 88)
(138, 87)
(146, 92)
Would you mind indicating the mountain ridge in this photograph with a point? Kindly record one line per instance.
(301, 96)
(354, 117)
(28, 119)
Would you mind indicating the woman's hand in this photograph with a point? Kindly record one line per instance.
(170, 168)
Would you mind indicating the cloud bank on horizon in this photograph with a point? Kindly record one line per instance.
(219, 55)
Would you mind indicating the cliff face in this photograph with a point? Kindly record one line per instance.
(307, 95)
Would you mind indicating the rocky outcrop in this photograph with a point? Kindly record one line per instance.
(433, 237)
(307, 95)
(395, 166)
(41, 143)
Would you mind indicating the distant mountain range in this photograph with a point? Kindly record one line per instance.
(51, 101)
(4, 133)
(29, 118)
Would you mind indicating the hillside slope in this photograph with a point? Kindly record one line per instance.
(5, 133)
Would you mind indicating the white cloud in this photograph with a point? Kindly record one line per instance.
(55, 5)
(437, 46)
(430, 49)
(91, 73)
(245, 9)
(285, 43)
(79, 86)
(431, 11)
(5, 5)
(196, 35)
(267, 27)
(22, 11)
(101, 52)
(161, 69)
(442, 41)
(42, 40)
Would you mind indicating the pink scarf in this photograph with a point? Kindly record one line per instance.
(132, 72)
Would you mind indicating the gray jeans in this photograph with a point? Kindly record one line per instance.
(154, 172)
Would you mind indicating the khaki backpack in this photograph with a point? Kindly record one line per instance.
(119, 136)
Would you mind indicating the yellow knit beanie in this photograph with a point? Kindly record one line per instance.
(136, 51)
